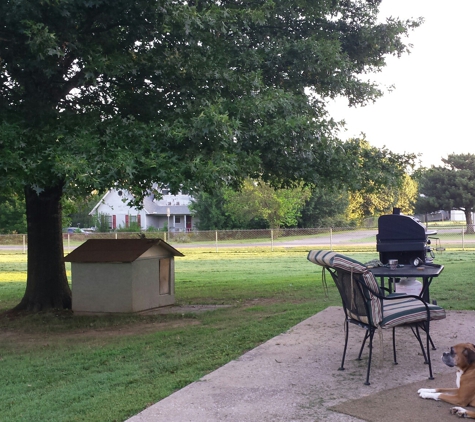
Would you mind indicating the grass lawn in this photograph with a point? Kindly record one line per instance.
(59, 367)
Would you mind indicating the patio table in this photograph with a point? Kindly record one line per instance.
(427, 272)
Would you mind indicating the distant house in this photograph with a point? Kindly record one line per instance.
(452, 215)
(170, 211)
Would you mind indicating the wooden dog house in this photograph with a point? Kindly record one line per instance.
(122, 275)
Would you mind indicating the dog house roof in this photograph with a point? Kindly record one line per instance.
(117, 250)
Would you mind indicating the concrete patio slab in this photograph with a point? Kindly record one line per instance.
(295, 376)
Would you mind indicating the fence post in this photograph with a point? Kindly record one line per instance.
(463, 238)
(272, 240)
(216, 239)
(331, 239)
(24, 243)
(69, 242)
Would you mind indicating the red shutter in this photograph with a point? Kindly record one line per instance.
(138, 220)
(114, 222)
(127, 220)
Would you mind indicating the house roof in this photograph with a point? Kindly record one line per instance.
(116, 250)
(100, 202)
(151, 207)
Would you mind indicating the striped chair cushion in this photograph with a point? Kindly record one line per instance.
(406, 310)
(334, 260)
(327, 259)
(348, 264)
(323, 258)
(358, 269)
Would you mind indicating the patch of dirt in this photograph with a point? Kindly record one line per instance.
(19, 337)
(187, 309)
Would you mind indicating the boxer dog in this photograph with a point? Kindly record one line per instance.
(461, 356)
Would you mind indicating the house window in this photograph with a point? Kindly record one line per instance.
(107, 221)
(132, 219)
(177, 220)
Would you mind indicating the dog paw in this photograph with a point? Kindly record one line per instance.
(426, 390)
(426, 393)
(459, 411)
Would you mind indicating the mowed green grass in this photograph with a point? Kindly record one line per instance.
(55, 366)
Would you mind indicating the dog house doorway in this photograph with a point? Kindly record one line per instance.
(164, 276)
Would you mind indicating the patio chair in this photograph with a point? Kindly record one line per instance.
(366, 305)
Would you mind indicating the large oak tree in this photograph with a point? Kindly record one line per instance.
(191, 94)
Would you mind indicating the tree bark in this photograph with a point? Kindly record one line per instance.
(47, 284)
(468, 218)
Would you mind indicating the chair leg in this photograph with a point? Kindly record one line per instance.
(432, 343)
(428, 340)
(426, 350)
(371, 334)
(362, 344)
(342, 367)
(394, 345)
(417, 335)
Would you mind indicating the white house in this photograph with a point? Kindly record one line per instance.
(170, 211)
(457, 215)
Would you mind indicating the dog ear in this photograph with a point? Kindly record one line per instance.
(470, 355)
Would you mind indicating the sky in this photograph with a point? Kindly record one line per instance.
(430, 111)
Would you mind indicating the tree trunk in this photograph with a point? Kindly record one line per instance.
(47, 285)
(468, 218)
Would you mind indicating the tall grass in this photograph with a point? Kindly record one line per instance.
(55, 366)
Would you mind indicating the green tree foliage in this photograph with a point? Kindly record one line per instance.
(76, 210)
(257, 201)
(12, 214)
(451, 186)
(255, 206)
(325, 208)
(370, 203)
(210, 211)
(188, 94)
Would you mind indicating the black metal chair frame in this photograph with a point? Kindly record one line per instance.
(353, 310)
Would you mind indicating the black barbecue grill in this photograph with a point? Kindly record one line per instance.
(403, 238)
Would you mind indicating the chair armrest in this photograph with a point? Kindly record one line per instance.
(413, 297)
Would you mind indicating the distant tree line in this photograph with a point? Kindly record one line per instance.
(258, 206)
(12, 214)
(449, 187)
(75, 212)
